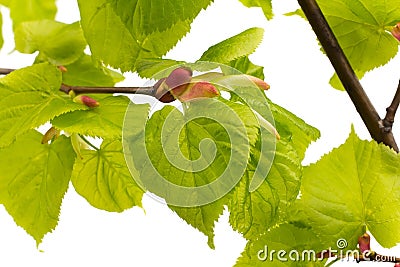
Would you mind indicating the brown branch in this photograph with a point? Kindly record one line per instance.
(388, 121)
(346, 73)
(5, 71)
(108, 90)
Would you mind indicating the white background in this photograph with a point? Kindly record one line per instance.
(298, 74)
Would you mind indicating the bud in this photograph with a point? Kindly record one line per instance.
(397, 264)
(197, 90)
(51, 134)
(260, 83)
(86, 100)
(179, 77)
(364, 243)
(62, 68)
(396, 31)
(163, 93)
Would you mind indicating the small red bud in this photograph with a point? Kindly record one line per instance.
(397, 264)
(163, 93)
(178, 77)
(364, 243)
(62, 68)
(260, 83)
(396, 31)
(86, 100)
(197, 90)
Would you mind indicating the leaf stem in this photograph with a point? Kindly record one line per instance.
(346, 73)
(88, 142)
(107, 90)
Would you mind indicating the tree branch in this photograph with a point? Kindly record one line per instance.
(388, 121)
(346, 74)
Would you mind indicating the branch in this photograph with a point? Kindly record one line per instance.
(346, 74)
(98, 90)
(388, 121)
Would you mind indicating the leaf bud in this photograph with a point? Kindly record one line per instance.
(396, 31)
(86, 100)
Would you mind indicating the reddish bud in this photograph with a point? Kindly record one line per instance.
(86, 100)
(397, 264)
(260, 83)
(163, 93)
(62, 68)
(396, 31)
(51, 134)
(178, 77)
(197, 90)
(364, 243)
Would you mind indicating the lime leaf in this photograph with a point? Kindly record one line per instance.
(27, 10)
(293, 129)
(114, 44)
(86, 72)
(148, 16)
(265, 5)
(103, 178)
(149, 68)
(245, 66)
(253, 213)
(30, 97)
(103, 121)
(234, 47)
(364, 172)
(34, 179)
(5, 2)
(299, 247)
(196, 158)
(59, 43)
(1, 31)
(361, 29)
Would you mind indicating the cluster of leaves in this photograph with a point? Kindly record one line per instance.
(341, 195)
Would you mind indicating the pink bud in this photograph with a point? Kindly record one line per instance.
(163, 93)
(197, 90)
(179, 80)
(364, 243)
(62, 68)
(396, 31)
(260, 83)
(86, 100)
(397, 264)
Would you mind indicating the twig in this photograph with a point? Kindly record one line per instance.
(388, 121)
(5, 71)
(346, 73)
(107, 90)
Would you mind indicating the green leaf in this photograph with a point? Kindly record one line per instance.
(361, 27)
(298, 245)
(150, 68)
(1, 31)
(27, 10)
(30, 97)
(143, 17)
(59, 43)
(366, 177)
(34, 178)
(104, 121)
(86, 72)
(188, 152)
(5, 2)
(234, 47)
(114, 44)
(253, 213)
(103, 178)
(245, 66)
(266, 6)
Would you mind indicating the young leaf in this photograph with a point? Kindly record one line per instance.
(103, 178)
(30, 97)
(146, 17)
(58, 43)
(366, 176)
(245, 66)
(242, 44)
(1, 31)
(27, 10)
(300, 247)
(86, 72)
(104, 121)
(361, 29)
(253, 213)
(265, 5)
(34, 179)
(121, 47)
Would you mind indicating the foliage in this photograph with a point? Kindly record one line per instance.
(272, 198)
